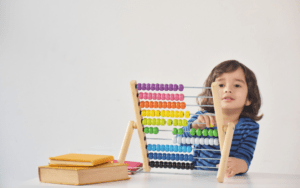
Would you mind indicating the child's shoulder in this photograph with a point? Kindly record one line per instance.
(247, 123)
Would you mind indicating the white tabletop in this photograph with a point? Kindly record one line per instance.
(182, 178)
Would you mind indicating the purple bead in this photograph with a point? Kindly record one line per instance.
(175, 87)
(161, 87)
(180, 87)
(170, 87)
(157, 87)
(148, 87)
(143, 86)
(166, 87)
(152, 87)
(139, 86)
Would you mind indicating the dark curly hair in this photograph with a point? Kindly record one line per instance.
(250, 111)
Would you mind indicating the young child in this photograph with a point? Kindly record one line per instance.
(240, 103)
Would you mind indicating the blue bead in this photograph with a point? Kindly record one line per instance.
(179, 148)
(149, 147)
(189, 149)
(181, 157)
(186, 157)
(154, 155)
(150, 155)
(173, 157)
(153, 147)
(164, 156)
(184, 149)
(162, 147)
(177, 157)
(175, 148)
(159, 156)
(191, 158)
(171, 148)
(168, 156)
(157, 147)
(167, 148)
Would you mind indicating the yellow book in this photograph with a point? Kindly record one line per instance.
(83, 175)
(74, 159)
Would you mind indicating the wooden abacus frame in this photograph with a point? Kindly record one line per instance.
(224, 140)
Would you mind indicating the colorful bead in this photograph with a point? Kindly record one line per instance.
(182, 105)
(158, 122)
(152, 87)
(187, 114)
(198, 132)
(197, 141)
(174, 139)
(181, 114)
(151, 130)
(148, 87)
(181, 97)
(215, 133)
(144, 121)
(206, 142)
(150, 96)
(167, 148)
(176, 114)
(176, 97)
(152, 113)
(141, 95)
(180, 131)
(192, 131)
(163, 96)
(163, 113)
(180, 122)
(172, 97)
(150, 104)
(143, 113)
(184, 148)
(175, 88)
(153, 121)
(146, 104)
(139, 87)
(201, 141)
(166, 87)
(204, 132)
(169, 122)
(142, 104)
(164, 105)
(169, 104)
(184, 122)
(162, 122)
(148, 112)
(189, 149)
(155, 104)
(193, 140)
(171, 113)
(211, 141)
(155, 130)
(149, 121)
(178, 105)
(167, 113)
(175, 122)
(175, 131)
(179, 140)
(146, 130)
(180, 147)
(216, 142)
(171, 148)
(154, 147)
(180, 87)
(144, 86)
(158, 147)
(161, 87)
(183, 140)
(157, 113)
(158, 96)
(170, 87)
(156, 87)
(210, 132)
(154, 96)
(188, 140)
(150, 155)
(159, 104)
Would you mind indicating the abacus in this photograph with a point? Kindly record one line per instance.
(157, 112)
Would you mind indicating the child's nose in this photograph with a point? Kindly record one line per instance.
(227, 89)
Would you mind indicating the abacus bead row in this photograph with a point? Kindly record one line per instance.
(204, 132)
(151, 104)
(165, 113)
(163, 96)
(172, 157)
(178, 165)
(175, 122)
(151, 130)
(159, 87)
(169, 148)
(197, 141)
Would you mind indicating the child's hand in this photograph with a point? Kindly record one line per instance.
(209, 120)
(235, 166)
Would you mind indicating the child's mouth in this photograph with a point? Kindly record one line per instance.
(228, 99)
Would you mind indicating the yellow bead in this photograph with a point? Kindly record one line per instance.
(148, 113)
(180, 122)
(157, 113)
(176, 114)
(167, 113)
(184, 123)
(143, 112)
(181, 114)
(163, 113)
(152, 113)
(172, 113)
(187, 114)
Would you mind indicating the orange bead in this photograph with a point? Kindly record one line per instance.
(159, 104)
(164, 104)
(142, 104)
(155, 104)
(178, 105)
(173, 104)
(182, 105)
(169, 105)
(146, 104)
(151, 104)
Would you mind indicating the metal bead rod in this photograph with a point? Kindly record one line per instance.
(205, 167)
(159, 138)
(198, 97)
(207, 149)
(207, 158)
(203, 114)
(200, 105)
(196, 87)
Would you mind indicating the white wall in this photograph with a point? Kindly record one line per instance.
(65, 68)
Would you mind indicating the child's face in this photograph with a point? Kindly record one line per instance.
(233, 90)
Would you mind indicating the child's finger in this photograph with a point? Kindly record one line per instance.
(207, 121)
(212, 121)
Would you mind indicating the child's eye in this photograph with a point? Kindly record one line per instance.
(237, 85)
(221, 85)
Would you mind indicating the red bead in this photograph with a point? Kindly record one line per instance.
(146, 104)
(173, 104)
(151, 104)
(142, 104)
(155, 104)
(182, 105)
(169, 104)
(160, 104)
(178, 105)
(164, 104)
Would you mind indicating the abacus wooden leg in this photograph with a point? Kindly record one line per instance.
(126, 141)
(225, 152)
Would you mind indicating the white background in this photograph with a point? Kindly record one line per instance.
(65, 68)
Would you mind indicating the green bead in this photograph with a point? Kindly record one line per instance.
(151, 130)
(198, 132)
(149, 121)
(184, 122)
(153, 121)
(175, 123)
(155, 130)
(162, 122)
(215, 132)
(180, 122)
(210, 132)
(169, 122)
(204, 132)
(175, 131)
(192, 131)
(180, 131)
(146, 130)
(144, 122)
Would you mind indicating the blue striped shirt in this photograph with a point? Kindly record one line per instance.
(242, 147)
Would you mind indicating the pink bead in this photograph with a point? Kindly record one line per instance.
(181, 97)
(150, 96)
(168, 96)
(141, 95)
(163, 97)
(172, 97)
(145, 95)
(154, 96)
(158, 96)
(176, 97)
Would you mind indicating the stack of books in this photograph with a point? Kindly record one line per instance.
(82, 169)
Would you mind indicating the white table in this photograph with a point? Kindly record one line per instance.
(182, 178)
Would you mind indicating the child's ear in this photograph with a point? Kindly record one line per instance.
(247, 103)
